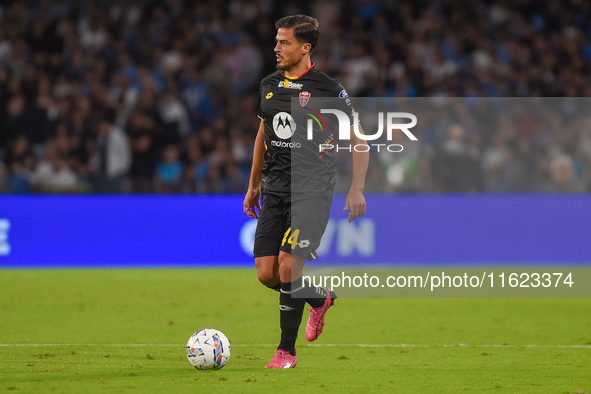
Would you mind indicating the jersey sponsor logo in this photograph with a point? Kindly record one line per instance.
(343, 94)
(285, 144)
(304, 98)
(290, 85)
(283, 125)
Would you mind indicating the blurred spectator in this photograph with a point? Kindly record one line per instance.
(562, 177)
(169, 172)
(115, 156)
(3, 176)
(53, 174)
(358, 69)
(456, 164)
(20, 163)
(144, 135)
(174, 116)
(493, 162)
(196, 95)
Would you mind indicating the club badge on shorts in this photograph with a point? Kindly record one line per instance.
(304, 98)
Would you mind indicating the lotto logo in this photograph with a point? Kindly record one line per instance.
(4, 245)
(304, 243)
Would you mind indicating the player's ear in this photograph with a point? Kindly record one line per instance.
(306, 48)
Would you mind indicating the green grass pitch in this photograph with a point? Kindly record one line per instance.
(126, 331)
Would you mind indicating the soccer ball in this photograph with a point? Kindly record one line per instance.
(208, 349)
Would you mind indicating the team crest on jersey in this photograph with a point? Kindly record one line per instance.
(343, 94)
(304, 98)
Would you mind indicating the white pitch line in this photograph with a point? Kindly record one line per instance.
(383, 345)
(87, 344)
(445, 345)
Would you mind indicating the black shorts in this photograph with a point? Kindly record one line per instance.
(294, 227)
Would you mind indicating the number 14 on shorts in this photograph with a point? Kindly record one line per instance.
(293, 238)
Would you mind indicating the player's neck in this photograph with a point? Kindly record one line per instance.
(299, 69)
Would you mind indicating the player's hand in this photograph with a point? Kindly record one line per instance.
(252, 203)
(355, 204)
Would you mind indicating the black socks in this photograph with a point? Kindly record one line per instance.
(291, 309)
(315, 296)
(292, 299)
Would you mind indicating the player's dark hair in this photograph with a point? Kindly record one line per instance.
(305, 28)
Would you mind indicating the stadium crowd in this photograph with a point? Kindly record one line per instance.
(161, 96)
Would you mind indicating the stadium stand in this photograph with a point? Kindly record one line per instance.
(137, 96)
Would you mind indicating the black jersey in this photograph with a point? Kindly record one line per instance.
(294, 162)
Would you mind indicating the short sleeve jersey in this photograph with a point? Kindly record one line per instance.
(297, 156)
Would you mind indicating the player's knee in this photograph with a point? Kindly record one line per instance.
(286, 269)
(267, 270)
(268, 277)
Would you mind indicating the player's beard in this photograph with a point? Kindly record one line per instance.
(287, 65)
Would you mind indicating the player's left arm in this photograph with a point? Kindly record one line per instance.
(355, 202)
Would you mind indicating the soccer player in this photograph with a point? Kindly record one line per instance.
(296, 176)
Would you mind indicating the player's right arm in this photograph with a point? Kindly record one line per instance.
(253, 195)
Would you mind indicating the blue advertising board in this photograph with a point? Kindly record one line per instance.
(175, 231)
